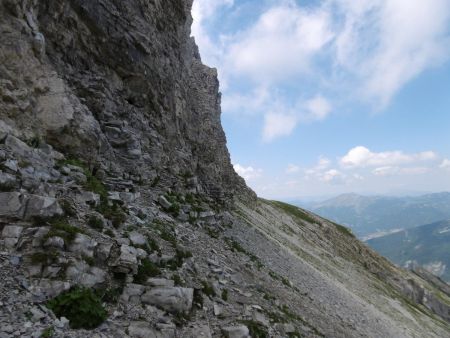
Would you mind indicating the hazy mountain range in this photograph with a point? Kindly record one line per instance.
(369, 215)
(426, 245)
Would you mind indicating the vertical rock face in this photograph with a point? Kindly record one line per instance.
(120, 84)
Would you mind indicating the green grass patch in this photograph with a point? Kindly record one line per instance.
(256, 329)
(145, 270)
(95, 222)
(208, 289)
(342, 229)
(224, 295)
(60, 227)
(177, 262)
(294, 211)
(47, 257)
(113, 212)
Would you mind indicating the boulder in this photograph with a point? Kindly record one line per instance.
(12, 231)
(164, 202)
(42, 206)
(172, 299)
(7, 181)
(201, 331)
(81, 273)
(54, 242)
(137, 239)
(140, 329)
(155, 282)
(83, 245)
(11, 204)
(239, 331)
(127, 261)
(132, 293)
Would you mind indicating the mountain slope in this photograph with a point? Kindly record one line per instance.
(426, 245)
(121, 214)
(371, 214)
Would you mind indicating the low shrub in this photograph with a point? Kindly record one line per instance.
(95, 222)
(145, 270)
(225, 295)
(81, 306)
(256, 329)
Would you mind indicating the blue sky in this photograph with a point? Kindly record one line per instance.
(332, 96)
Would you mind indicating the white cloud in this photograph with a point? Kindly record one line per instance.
(281, 43)
(318, 108)
(362, 157)
(201, 11)
(322, 164)
(445, 164)
(292, 169)
(389, 42)
(247, 104)
(248, 173)
(277, 125)
(333, 176)
(390, 171)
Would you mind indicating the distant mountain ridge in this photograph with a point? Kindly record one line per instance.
(427, 245)
(377, 214)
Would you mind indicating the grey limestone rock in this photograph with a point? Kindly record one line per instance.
(238, 331)
(172, 299)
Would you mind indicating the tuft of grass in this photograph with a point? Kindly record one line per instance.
(177, 261)
(344, 230)
(48, 332)
(89, 260)
(256, 329)
(47, 257)
(177, 280)
(145, 270)
(236, 247)
(81, 306)
(208, 289)
(110, 295)
(110, 233)
(68, 208)
(60, 227)
(112, 212)
(166, 234)
(224, 295)
(95, 222)
(294, 211)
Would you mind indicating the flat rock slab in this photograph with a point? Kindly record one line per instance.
(172, 299)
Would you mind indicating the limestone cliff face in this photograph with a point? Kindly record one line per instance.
(120, 84)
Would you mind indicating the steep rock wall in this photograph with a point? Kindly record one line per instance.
(119, 84)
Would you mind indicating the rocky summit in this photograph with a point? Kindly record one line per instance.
(121, 214)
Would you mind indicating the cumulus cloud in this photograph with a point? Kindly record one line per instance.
(248, 173)
(362, 157)
(445, 164)
(318, 108)
(277, 125)
(333, 176)
(280, 44)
